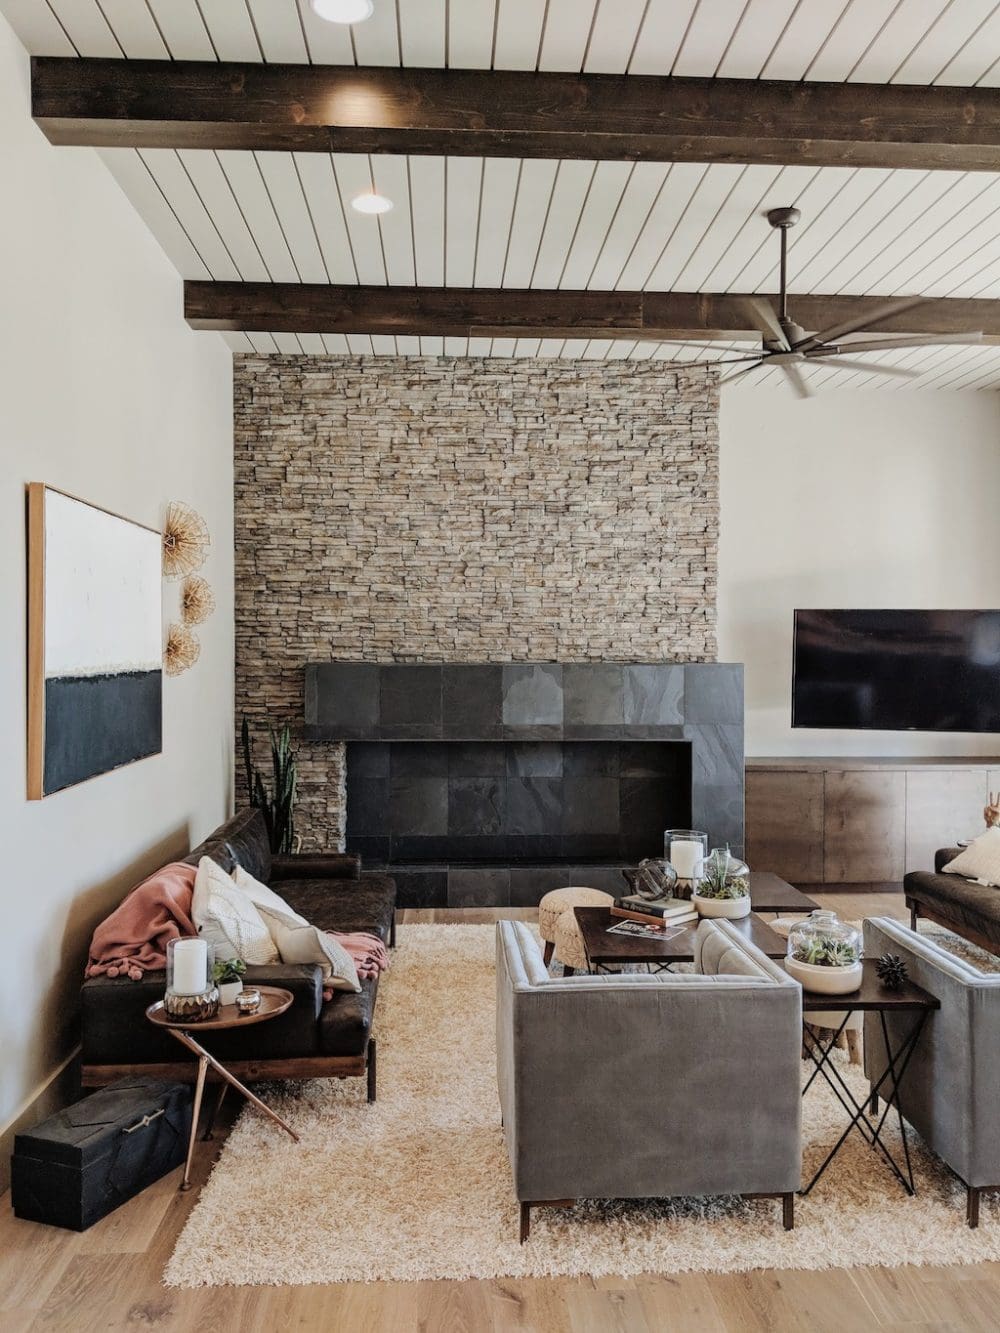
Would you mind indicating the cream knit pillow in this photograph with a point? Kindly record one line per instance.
(980, 860)
(227, 919)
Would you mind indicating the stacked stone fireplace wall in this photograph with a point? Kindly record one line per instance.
(464, 510)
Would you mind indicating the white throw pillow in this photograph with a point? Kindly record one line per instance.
(297, 940)
(980, 860)
(227, 919)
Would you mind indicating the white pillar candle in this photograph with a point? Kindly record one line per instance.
(190, 967)
(686, 858)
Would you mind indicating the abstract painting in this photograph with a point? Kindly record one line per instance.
(94, 641)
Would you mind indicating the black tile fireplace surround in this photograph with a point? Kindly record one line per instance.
(488, 785)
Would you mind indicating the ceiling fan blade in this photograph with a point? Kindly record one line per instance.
(853, 325)
(901, 343)
(766, 320)
(843, 364)
(798, 383)
(738, 374)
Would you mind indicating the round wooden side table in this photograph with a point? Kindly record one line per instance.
(274, 1000)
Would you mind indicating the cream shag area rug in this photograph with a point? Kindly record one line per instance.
(418, 1185)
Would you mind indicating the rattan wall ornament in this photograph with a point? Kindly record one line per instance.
(197, 600)
(185, 541)
(182, 650)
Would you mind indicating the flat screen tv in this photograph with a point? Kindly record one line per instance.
(897, 670)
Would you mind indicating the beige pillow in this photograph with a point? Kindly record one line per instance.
(980, 860)
(227, 919)
(296, 939)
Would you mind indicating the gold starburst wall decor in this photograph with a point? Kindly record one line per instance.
(197, 600)
(185, 541)
(182, 650)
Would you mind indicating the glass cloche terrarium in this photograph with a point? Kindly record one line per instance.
(824, 954)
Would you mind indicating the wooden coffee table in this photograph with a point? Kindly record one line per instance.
(677, 945)
(768, 893)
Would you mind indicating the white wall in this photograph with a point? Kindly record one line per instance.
(106, 394)
(864, 499)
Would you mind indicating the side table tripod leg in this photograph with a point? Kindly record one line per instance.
(220, 1097)
(199, 1089)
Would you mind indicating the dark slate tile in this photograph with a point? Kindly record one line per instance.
(374, 852)
(646, 808)
(476, 759)
(719, 811)
(654, 695)
(590, 805)
(342, 699)
(410, 699)
(529, 884)
(648, 731)
(534, 759)
(639, 759)
(591, 759)
(585, 847)
(421, 888)
(367, 759)
(421, 847)
(525, 848)
(418, 759)
(368, 806)
(534, 733)
(592, 694)
(534, 805)
(634, 847)
(474, 887)
(606, 878)
(418, 805)
(713, 692)
(472, 701)
(478, 848)
(716, 753)
(593, 731)
(475, 806)
(532, 695)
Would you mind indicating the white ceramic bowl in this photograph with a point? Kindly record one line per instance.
(730, 908)
(825, 980)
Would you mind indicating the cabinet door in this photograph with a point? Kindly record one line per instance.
(784, 813)
(865, 826)
(941, 807)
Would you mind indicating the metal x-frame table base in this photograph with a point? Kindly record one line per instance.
(892, 1076)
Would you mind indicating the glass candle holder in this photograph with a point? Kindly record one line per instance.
(191, 994)
(686, 849)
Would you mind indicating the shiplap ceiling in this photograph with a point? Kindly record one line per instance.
(285, 217)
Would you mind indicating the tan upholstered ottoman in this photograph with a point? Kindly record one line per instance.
(551, 910)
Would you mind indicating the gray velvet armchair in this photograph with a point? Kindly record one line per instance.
(951, 1089)
(637, 1086)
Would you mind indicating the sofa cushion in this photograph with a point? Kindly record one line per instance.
(298, 941)
(228, 919)
(345, 1022)
(245, 837)
(980, 860)
(345, 905)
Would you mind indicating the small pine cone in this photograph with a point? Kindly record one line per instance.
(891, 971)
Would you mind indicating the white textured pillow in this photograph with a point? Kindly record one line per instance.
(297, 940)
(980, 860)
(227, 919)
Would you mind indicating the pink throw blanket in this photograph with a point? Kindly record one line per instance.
(133, 939)
(368, 953)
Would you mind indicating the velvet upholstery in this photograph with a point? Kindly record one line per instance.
(635, 1086)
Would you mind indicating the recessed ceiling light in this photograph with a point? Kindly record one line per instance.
(370, 202)
(344, 11)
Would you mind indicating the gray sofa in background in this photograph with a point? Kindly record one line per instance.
(951, 1090)
(637, 1086)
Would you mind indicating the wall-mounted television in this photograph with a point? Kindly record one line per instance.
(897, 670)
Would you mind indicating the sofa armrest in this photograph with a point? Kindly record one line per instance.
(943, 855)
(316, 865)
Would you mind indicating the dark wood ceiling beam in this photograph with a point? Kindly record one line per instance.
(461, 312)
(314, 108)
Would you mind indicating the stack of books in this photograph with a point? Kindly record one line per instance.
(657, 912)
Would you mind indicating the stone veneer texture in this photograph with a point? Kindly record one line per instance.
(464, 510)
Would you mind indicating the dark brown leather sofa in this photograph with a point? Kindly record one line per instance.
(969, 909)
(312, 1039)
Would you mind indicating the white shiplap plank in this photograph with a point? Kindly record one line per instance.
(680, 183)
(527, 346)
(135, 30)
(567, 31)
(407, 345)
(326, 43)
(642, 351)
(353, 173)
(850, 38)
(391, 179)
(237, 342)
(383, 345)
(964, 209)
(597, 349)
(360, 344)
(376, 41)
(427, 201)
(168, 171)
(572, 185)
(616, 27)
(147, 199)
(263, 343)
(749, 198)
(247, 185)
(183, 29)
(708, 201)
(470, 34)
(456, 346)
(287, 343)
(549, 347)
(707, 37)
(479, 346)
(753, 233)
(897, 37)
(661, 35)
(38, 28)
(87, 27)
(312, 344)
(603, 202)
(534, 192)
(807, 30)
(958, 24)
(320, 187)
(463, 184)
(431, 346)
(231, 29)
(519, 33)
(645, 183)
(422, 28)
(573, 348)
(750, 45)
(963, 276)
(216, 194)
(280, 173)
(499, 190)
(335, 344)
(974, 60)
(279, 31)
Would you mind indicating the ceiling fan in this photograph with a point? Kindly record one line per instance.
(788, 346)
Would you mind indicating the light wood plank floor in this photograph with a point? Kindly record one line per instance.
(109, 1278)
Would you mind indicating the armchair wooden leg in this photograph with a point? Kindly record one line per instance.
(568, 971)
(972, 1206)
(788, 1211)
(854, 1047)
(525, 1222)
(913, 915)
(372, 1070)
(392, 930)
(547, 952)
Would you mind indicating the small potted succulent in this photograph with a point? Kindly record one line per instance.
(228, 977)
(724, 888)
(824, 954)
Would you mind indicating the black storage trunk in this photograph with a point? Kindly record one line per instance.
(80, 1164)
